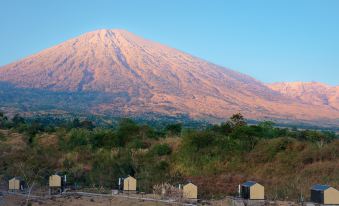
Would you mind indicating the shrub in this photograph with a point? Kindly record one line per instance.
(2, 137)
(78, 137)
(137, 144)
(174, 129)
(162, 149)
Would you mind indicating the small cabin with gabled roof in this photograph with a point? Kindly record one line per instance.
(252, 190)
(130, 184)
(55, 181)
(324, 194)
(16, 184)
(190, 191)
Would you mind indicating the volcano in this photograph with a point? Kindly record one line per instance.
(141, 76)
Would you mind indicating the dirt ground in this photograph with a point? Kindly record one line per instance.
(11, 200)
(79, 201)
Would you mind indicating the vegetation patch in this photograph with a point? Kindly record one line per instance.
(216, 158)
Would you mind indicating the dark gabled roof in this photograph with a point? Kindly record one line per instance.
(248, 184)
(187, 182)
(319, 187)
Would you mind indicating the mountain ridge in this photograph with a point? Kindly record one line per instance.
(151, 77)
(316, 93)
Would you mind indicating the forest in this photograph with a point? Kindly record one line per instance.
(287, 161)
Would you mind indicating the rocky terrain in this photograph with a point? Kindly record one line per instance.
(310, 92)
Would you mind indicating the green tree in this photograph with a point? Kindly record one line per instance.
(17, 120)
(247, 135)
(224, 128)
(3, 120)
(75, 123)
(146, 131)
(87, 125)
(237, 120)
(77, 138)
(162, 149)
(173, 129)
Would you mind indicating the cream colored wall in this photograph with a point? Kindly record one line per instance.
(190, 191)
(14, 184)
(130, 184)
(257, 192)
(331, 196)
(55, 181)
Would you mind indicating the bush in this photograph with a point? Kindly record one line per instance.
(162, 149)
(2, 137)
(174, 129)
(78, 137)
(137, 144)
(197, 140)
(104, 139)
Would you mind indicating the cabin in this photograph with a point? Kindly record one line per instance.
(252, 191)
(190, 191)
(16, 184)
(55, 181)
(56, 184)
(130, 184)
(324, 194)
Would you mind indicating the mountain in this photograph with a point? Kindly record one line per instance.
(314, 93)
(141, 77)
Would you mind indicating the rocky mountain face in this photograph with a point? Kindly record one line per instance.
(141, 76)
(314, 93)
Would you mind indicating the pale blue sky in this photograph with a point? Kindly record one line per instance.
(271, 40)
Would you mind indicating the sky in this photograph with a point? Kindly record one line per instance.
(270, 40)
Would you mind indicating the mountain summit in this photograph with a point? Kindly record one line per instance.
(147, 77)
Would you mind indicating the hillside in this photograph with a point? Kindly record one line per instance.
(310, 92)
(138, 76)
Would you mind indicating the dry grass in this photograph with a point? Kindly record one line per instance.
(47, 140)
(14, 140)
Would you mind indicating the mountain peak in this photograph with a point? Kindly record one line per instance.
(104, 36)
(108, 33)
(143, 76)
